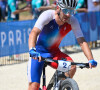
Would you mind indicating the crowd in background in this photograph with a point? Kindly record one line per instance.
(3, 13)
(9, 9)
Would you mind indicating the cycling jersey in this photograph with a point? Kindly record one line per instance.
(48, 41)
(51, 34)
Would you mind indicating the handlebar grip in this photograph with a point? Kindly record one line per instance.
(80, 64)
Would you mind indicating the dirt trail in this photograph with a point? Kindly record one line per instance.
(14, 77)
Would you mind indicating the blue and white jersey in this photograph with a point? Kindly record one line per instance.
(51, 33)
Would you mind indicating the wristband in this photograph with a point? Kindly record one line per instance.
(33, 48)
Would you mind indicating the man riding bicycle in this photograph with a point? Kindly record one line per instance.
(46, 35)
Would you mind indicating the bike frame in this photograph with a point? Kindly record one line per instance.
(44, 79)
(53, 79)
(55, 76)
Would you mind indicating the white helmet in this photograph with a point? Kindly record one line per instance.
(67, 4)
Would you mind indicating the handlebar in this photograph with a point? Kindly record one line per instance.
(80, 65)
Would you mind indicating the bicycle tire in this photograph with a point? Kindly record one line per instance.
(69, 84)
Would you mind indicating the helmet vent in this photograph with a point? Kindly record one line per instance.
(67, 4)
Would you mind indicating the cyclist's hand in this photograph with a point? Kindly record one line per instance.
(34, 54)
(92, 63)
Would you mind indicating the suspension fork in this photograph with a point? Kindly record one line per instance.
(56, 78)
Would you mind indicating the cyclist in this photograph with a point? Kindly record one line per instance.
(46, 35)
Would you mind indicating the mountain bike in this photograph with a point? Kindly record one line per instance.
(59, 81)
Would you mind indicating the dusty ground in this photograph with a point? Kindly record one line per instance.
(14, 77)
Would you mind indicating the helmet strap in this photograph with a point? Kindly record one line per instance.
(59, 12)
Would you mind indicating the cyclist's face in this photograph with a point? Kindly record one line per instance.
(64, 17)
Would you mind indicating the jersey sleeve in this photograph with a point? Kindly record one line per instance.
(44, 19)
(76, 27)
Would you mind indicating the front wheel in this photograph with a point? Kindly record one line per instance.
(69, 84)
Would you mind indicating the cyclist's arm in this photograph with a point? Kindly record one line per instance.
(33, 37)
(85, 48)
(80, 38)
(32, 40)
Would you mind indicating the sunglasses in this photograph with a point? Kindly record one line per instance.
(66, 11)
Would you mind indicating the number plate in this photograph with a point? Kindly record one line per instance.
(64, 66)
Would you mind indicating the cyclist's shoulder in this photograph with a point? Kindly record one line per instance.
(72, 20)
(45, 18)
(73, 17)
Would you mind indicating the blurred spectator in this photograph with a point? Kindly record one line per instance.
(48, 6)
(17, 15)
(35, 5)
(54, 2)
(3, 4)
(39, 7)
(29, 5)
(12, 10)
(0, 14)
(28, 2)
(93, 5)
(81, 6)
(46, 3)
(42, 8)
